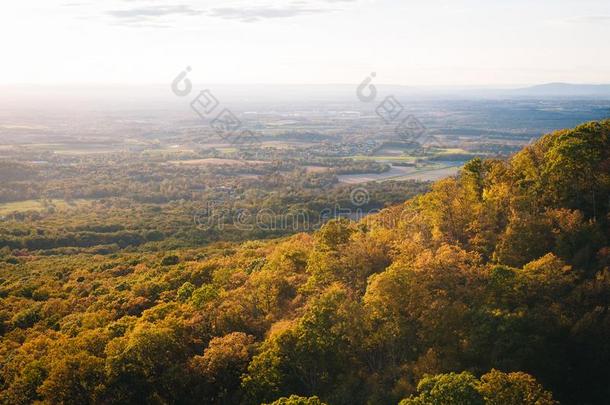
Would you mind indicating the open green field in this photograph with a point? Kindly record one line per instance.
(38, 205)
(385, 158)
(449, 151)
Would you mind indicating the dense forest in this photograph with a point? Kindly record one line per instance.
(491, 288)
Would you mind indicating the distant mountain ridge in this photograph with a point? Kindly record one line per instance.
(565, 90)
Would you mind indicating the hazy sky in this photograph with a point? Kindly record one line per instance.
(410, 42)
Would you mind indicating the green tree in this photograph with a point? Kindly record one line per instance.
(297, 400)
(452, 388)
(310, 357)
(146, 364)
(185, 291)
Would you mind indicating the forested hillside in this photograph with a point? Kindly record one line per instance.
(492, 288)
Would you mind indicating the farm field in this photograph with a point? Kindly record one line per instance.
(39, 205)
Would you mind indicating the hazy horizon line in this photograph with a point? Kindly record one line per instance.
(149, 84)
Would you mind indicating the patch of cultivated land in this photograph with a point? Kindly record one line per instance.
(38, 205)
(215, 161)
(316, 169)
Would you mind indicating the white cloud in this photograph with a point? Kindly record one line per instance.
(147, 16)
(262, 13)
(231, 10)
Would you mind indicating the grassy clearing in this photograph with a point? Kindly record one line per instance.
(39, 205)
(226, 150)
(385, 158)
(451, 151)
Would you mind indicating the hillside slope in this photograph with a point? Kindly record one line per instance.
(506, 267)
